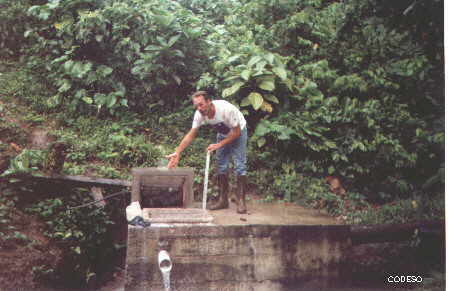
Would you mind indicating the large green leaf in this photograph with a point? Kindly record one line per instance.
(111, 99)
(267, 84)
(245, 102)
(164, 20)
(100, 98)
(254, 60)
(245, 74)
(280, 72)
(330, 144)
(162, 41)
(233, 58)
(87, 100)
(271, 98)
(270, 58)
(104, 70)
(68, 65)
(80, 69)
(66, 85)
(256, 100)
(262, 128)
(173, 39)
(153, 48)
(232, 90)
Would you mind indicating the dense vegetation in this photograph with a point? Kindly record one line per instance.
(353, 89)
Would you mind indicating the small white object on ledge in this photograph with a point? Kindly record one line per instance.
(133, 210)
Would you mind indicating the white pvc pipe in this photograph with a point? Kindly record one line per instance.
(206, 180)
(164, 261)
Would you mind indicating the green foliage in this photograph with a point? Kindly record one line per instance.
(113, 55)
(11, 132)
(42, 272)
(7, 204)
(83, 234)
(116, 144)
(314, 79)
(21, 85)
(247, 73)
(213, 12)
(28, 161)
(11, 34)
(353, 88)
(400, 211)
(352, 208)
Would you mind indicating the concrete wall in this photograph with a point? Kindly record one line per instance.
(254, 257)
(162, 177)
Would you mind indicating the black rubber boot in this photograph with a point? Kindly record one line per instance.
(222, 201)
(241, 193)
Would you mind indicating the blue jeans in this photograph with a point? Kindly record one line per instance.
(236, 149)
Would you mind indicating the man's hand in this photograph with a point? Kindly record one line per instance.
(174, 160)
(213, 147)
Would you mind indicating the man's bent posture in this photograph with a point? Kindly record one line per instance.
(231, 141)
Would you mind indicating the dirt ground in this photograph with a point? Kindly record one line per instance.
(19, 258)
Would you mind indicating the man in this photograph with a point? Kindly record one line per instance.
(231, 141)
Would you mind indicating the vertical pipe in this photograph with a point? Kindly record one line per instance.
(206, 180)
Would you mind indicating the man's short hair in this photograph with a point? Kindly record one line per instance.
(201, 93)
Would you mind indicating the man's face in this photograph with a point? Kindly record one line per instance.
(202, 105)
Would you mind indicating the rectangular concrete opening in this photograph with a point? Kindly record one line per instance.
(166, 196)
(163, 188)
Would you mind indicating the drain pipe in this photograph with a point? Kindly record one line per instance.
(165, 266)
(164, 260)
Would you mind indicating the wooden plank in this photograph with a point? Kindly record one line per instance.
(93, 181)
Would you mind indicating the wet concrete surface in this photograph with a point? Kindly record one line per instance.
(259, 212)
(237, 257)
(273, 213)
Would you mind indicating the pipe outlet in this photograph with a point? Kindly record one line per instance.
(164, 260)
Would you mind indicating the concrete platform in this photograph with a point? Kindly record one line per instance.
(273, 213)
(237, 257)
(274, 247)
(177, 215)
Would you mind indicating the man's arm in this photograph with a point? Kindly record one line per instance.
(185, 142)
(233, 135)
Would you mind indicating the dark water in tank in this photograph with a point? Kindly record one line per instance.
(161, 197)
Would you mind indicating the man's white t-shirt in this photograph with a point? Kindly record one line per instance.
(226, 116)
